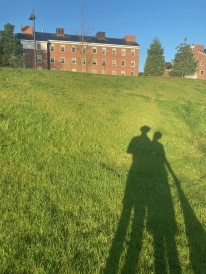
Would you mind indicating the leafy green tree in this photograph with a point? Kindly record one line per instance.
(184, 63)
(11, 50)
(155, 62)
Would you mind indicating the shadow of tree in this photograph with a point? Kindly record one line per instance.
(195, 233)
(147, 196)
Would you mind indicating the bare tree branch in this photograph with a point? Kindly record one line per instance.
(84, 59)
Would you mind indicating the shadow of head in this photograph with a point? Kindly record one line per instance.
(145, 129)
(157, 136)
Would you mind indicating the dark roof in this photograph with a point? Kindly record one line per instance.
(75, 38)
(168, 65)
(202, 51)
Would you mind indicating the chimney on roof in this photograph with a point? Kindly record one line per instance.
(130, 38)
(198, 47)
(100, 36)
(60, 31)
(27, 30)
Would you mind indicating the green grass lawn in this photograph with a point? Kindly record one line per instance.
(79, 194)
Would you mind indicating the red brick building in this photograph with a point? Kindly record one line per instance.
(200, 56)
(94, 54)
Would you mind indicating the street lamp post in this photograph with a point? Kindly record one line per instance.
(32, 17)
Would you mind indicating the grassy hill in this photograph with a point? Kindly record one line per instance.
(72, 200)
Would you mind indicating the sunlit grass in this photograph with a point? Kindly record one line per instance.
(64, 167)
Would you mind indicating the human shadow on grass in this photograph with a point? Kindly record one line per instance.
(147, 203)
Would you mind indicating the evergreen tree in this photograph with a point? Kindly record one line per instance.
(11, 51)
(155, 62)
(184, 63)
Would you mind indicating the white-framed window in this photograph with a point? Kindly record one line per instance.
(113, 72)
(202, 63)
(103, 62)
(62, 48)
(83, 61)
(132, 63)
(73, 70)
(39, 68)
(94, 62)
(123, 73)
(73, 60)
(84, 50)
(132, 73)
(52, 59)
(38, 46)
(52, 47)
(62, 60)
(104, 51)
(113, 51)
(52, 68)
(133, 52)
(94, 50)
(113, 63)
(73, 49)
(94, 71)
(39, 58)
(123, 63)
(201, 72)
(123, 52)
(62, 69)
(103, 71)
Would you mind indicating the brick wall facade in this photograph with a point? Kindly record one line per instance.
(29, 54)
(200, 56)
(97, 59)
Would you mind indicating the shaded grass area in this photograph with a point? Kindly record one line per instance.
(74, 200)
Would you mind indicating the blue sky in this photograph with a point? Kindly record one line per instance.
(170, 21)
